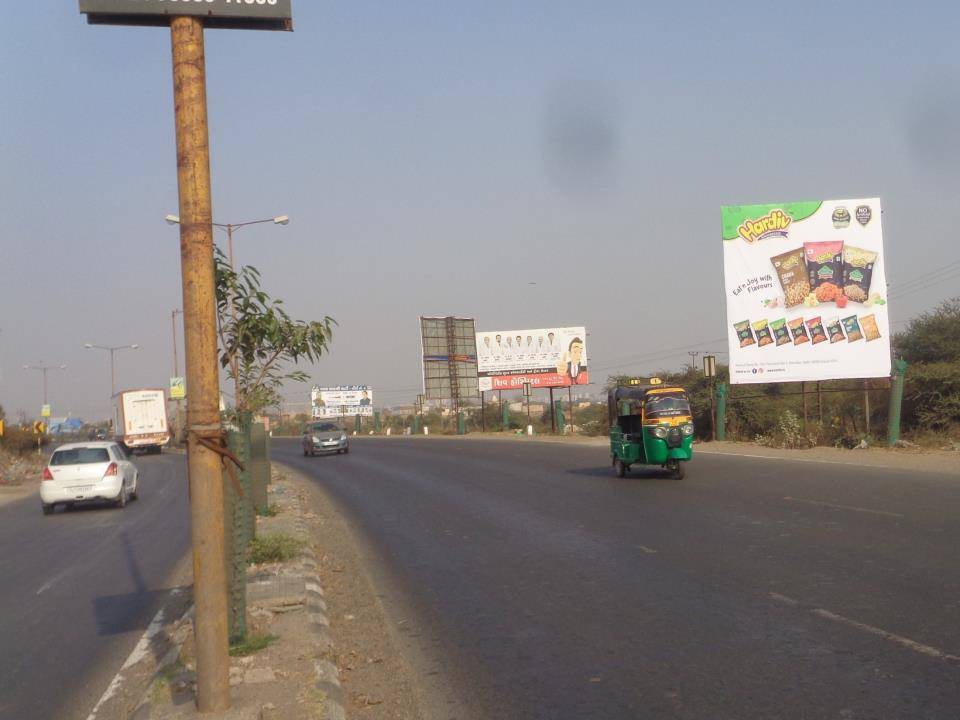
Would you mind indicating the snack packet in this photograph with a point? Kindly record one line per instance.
(799, 331)
(744, 333)
(825, 266)
(817, 334)
(792, 270)
(781, 333)
(835, 330)
(762, 329)
(870, 329)
(852, 327)
(857, 272)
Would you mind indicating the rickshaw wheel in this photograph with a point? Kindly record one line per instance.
(620, 467)
(677, 470)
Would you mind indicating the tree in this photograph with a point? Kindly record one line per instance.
(932, 336)
(258, 340)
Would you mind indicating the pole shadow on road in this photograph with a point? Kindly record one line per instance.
(118, 614)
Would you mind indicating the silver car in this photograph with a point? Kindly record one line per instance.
(325, 437)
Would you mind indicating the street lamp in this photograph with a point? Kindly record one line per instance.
(111, 350)
(43, 370)
(230, 227)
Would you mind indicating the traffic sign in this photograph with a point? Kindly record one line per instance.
(45, 411)
(249, 15)
(39, 428)
(178, 388)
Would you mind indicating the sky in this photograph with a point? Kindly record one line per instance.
(533, 164)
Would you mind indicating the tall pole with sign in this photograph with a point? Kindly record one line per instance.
(186, 22)
(199, 326)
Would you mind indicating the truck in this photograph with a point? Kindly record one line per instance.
(140, 419)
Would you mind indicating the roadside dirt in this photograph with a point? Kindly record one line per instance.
(19, 475)
(377, 680)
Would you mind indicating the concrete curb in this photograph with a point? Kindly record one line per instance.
(326, 674)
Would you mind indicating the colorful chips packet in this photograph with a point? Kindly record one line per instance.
(852, 327)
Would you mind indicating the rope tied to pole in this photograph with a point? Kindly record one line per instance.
(214, 439)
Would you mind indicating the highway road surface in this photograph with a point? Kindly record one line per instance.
(541, 586)
(78, 589)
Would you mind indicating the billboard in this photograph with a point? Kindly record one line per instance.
(449, 358)
(545, 357)
(250, 14)
(340, 401)
(806, 291)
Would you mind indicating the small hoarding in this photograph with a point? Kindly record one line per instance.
(806, 291)
(178, 388)
(545, 357)
(449, 358)
(341, 401)
(233, 14)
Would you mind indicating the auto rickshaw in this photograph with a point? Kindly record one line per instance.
(650, 424)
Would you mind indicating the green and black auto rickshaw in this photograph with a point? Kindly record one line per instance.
(650, 424)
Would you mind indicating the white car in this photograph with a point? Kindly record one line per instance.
(84, 472)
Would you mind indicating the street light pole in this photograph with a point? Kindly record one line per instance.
(173, 322)
(230, 228)
(111, 349)
(43, 371)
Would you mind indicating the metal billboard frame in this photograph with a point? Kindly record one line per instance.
(449, 354)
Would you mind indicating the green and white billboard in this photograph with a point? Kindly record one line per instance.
(806, 291)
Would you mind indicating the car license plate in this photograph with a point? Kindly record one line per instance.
(81, 488)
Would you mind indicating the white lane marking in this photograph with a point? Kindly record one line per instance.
(647, 550)
(719, 453)
(871, 630)
(854, 508)
(139, 652)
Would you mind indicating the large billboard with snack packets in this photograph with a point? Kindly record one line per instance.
(545, 358)
(806, 291)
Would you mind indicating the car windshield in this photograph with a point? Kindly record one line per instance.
(325, 427)
(667, 405)
(80, 456)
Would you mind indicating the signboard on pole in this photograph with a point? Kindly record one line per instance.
(545, 357)
(329, 402)
(178, 388)
(232, 14)
(806, 291)
(46, 411)
(449, 358)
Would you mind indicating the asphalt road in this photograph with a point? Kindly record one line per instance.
(544, 587)
(77, 590)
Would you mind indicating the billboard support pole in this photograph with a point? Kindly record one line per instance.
(896, 399)
(573, 424)
(803, 392)
(483, 411)
(200, 333)
(721, 411)
(866, 405)
(819, 404)
(553, 415)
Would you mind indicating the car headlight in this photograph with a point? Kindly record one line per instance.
(315, 438)
(343, 436)
(687, 429)
(660, 431)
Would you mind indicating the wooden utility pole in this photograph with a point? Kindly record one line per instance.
(202, 372)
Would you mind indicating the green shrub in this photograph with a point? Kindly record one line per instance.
(274, 548)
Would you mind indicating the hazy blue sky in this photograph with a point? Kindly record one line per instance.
(438, 157)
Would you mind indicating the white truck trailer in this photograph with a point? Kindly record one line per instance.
(140, 419)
